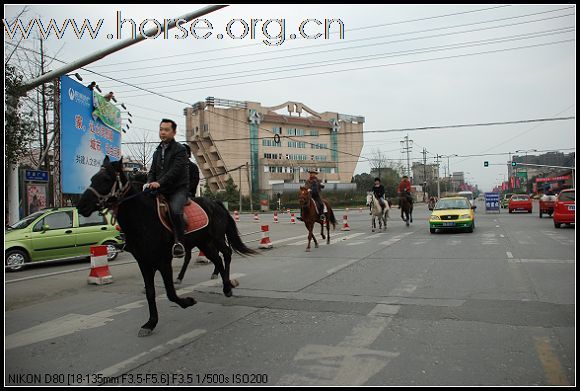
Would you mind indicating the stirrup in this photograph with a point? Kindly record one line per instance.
(178, 250)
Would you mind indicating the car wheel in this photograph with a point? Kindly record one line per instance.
(557, 225)
(509, 211)
(112, 250)
(530, 211)
(15, 260)
(470, 229)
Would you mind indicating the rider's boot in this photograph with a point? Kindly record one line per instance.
(178, 249)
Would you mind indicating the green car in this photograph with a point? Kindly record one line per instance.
(58, 234)
(505, 200)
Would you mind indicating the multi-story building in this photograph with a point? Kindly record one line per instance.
(424, 173)
(260, 147)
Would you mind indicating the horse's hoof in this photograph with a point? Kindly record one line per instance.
(316, 245)
(188, 302)
(373, 230)
(235, 283)
(307, 250)
(145, 332)
(228, 294)
(214, 276)
(177, 282)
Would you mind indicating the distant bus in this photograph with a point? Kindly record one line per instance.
(467, 194)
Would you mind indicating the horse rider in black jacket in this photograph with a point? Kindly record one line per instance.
(169, 173)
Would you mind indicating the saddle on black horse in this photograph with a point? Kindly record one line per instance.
(194, 216)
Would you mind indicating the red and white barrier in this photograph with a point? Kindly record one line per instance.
(201, 258)
(100, 273)
(256, 217)
(275, 217)
(265, 243)
(292, 219)
(236, 216)
(345, 226)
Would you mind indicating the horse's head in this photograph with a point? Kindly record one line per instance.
(369, 197)
(304, 196)
(106, 187)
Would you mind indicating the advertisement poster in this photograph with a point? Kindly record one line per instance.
(36, 195)
(85, 139)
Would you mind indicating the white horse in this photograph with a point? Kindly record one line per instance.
(376, 211)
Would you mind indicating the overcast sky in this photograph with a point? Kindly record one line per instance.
(403, 85)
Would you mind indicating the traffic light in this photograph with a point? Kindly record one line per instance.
(514, 164)
(485, 164)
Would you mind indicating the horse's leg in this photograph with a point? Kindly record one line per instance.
(314, 237)
(213, 255)
(327, 229)
(411, 213)
(167, 274)
(309, 227)
(227, 255)
(186, 261)
(148, 274)
(215, 273)
(322, 228)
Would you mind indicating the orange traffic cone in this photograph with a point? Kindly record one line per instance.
(345, 226)
(265, 243)
(292, 220)
(275, 217)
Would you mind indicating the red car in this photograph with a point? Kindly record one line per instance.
(547, 203)
(520, 202)
(565, 209)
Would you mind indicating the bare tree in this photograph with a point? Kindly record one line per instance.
(142, 149)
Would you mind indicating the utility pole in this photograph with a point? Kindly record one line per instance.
(424, 172)
(250, 187)
(44, 127)
(408, 150)
(240, 182)
(438, 185)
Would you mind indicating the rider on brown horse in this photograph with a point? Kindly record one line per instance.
(404, 189)
(315, 186)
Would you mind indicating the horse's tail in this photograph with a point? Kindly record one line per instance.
(233, 235)
(331, 217)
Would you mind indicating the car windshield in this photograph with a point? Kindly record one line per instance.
(567, 196)
(25, 222)
(452, 204)
(520, 198)
(469, 196)
(507, 196)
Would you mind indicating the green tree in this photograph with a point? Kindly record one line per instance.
(19, 128)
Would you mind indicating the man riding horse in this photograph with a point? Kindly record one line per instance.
(170, 174)
(404, 190)
(315, 186)
(379, 192)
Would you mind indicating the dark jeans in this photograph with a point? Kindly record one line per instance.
(176, 203)
(319, 204)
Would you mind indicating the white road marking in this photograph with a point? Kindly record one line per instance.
(301, 242)
(288, 239)
(339, 267)
(542, 261)
(497, 226)
(509, 254)
(357, 243)
(332, 241)
(501, 236)
(159, 349)
(385, 310)
(73, 323)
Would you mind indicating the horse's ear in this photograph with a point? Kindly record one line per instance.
(107, 160)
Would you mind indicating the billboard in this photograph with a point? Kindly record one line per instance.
(491, 201)
(88, 133)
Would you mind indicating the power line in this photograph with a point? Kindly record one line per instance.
(342, 49)
(348, 60)
(363, 68)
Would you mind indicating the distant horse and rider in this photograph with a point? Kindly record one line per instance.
(379, 207)
(314, 209)
(405, 200)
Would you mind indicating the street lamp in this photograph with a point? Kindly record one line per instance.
(79, 78)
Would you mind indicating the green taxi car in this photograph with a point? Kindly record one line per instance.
(58, 234)
(452, 213)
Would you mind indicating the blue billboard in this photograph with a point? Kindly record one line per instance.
(492, 202)
(85, 139)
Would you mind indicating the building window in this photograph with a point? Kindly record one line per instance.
(266, 168)
(277, 130)
(314, 133)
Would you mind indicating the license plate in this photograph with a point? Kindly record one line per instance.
(572, 207)
(448, 224)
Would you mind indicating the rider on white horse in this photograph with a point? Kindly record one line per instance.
(379, 192)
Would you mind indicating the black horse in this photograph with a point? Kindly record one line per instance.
(150, 242)
(407, 209)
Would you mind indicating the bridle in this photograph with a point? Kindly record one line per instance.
(118, 191)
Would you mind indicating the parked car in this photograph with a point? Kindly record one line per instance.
(547, 203)
(58, 234)
(452, 213)
(520, 202)
(565, 208)
(505, 200)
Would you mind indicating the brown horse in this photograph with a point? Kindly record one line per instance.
(310, 217)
